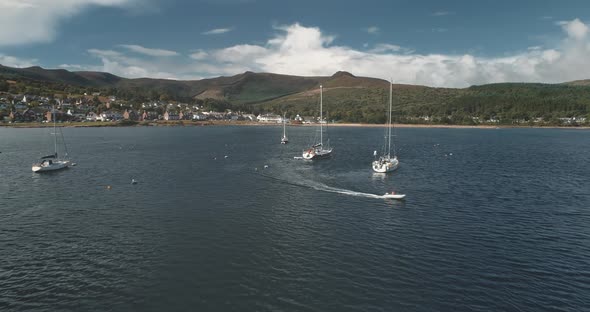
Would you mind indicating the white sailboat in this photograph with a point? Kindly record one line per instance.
(284, 139)
(317, 150)
(386, 163)
(52, 162)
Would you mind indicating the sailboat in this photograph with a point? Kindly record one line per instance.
(317, 150)
(52, 162)
(284, 139)
(386, 163)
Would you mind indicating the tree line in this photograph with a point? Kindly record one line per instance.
(505, 102)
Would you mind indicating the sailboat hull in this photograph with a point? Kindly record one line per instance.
(45, 167)
(312, 154)
(385, 165)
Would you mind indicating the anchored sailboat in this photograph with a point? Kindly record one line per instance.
(284, 139)
(52, 162)
(385, 162)
(317, 150)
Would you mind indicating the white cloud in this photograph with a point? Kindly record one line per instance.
(441, 13)
(306, 51)
(34, 21)
(120, 64)
(148, 51)
(199, 55)
(72, 66)
(217, 31)
(372, 30)
(300, 50)
(575, 28)
(385, 47)
(240, 53)
(104, 53)
(13, 61)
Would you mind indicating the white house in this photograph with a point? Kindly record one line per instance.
(199, 116)
(92, 116)
(77, 116)
(270, 118)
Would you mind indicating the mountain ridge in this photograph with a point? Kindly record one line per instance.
(346, 97)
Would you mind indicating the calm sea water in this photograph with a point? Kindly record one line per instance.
(495, 220)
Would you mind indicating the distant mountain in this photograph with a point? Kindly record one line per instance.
(346, 97)
(49, 75)
(243, 88)
(585, 82)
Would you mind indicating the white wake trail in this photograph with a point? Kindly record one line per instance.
(330, 189)
(325, 188)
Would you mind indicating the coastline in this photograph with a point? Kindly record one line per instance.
(190, 123)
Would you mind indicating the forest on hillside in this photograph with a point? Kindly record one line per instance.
(505, 103)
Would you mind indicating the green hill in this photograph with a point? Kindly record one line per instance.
(346, 97)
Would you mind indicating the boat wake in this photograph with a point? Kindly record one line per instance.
(325, 188)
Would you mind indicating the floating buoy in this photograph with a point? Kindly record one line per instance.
(265, 166)
(225, 156)
(108, 187)
(133, 181)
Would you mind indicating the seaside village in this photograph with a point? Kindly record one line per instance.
(21, 108)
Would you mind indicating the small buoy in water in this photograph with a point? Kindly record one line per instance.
(265, 166)
(133, 181)
(108, 187)
(450, 154)
(225, 156)
(214, 158)
(255, 169)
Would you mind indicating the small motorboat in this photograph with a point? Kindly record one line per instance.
(393, 195)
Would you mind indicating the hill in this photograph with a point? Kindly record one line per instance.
(346, 97)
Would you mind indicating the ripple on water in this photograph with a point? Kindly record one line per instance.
(483, 229)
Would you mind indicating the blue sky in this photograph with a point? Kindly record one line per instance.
(438, 43)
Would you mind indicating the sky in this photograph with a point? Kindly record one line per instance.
(452, 43)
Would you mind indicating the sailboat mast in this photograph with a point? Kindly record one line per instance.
(321, 117)
(54, 131)
(284, 125)
(389, 120)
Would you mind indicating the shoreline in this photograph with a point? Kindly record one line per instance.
(189, 123)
